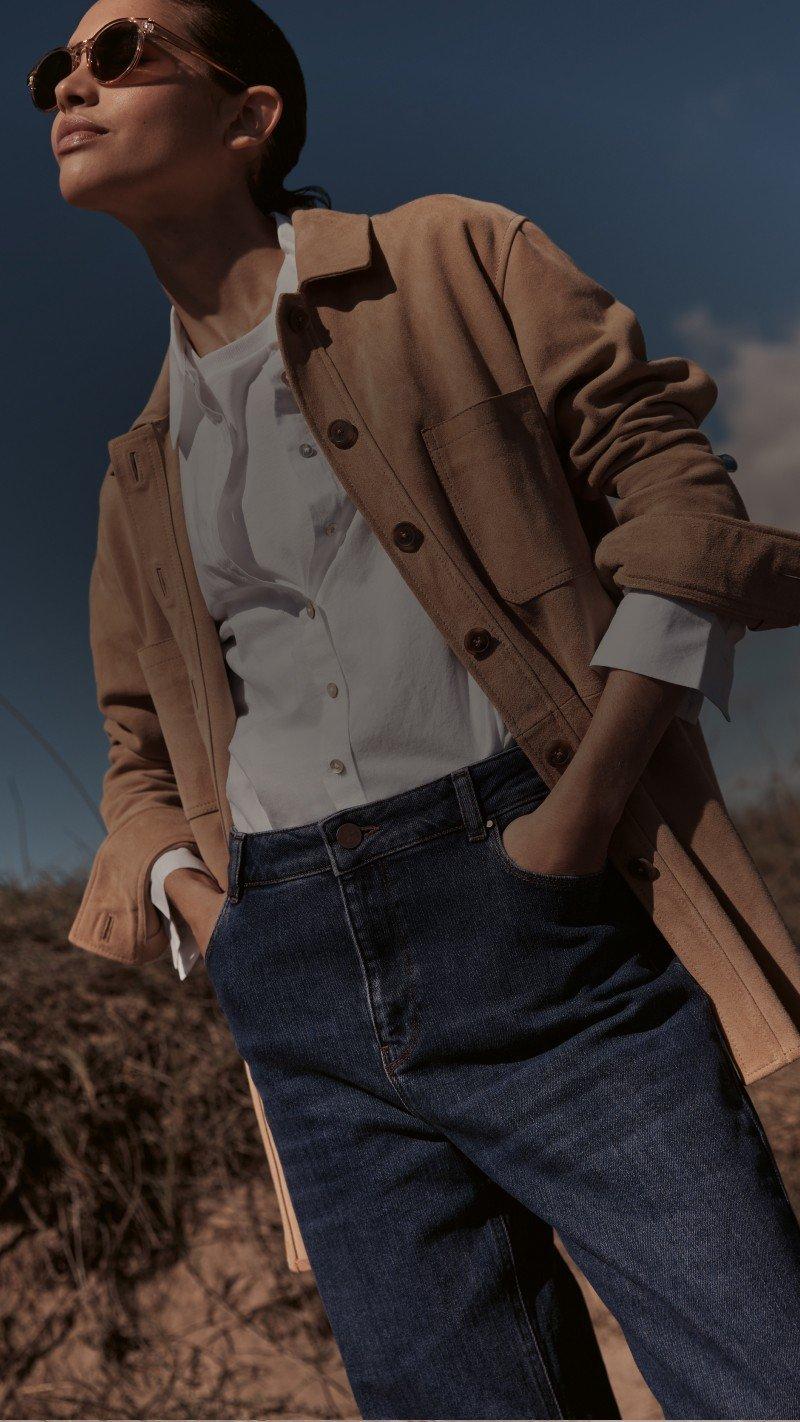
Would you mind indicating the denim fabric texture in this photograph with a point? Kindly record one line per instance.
(458, 1055)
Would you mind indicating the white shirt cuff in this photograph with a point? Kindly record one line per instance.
(673, 639)
(182, 942)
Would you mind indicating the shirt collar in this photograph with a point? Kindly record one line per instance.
(184, 386)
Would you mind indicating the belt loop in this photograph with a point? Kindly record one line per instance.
(235, 866)
(471, 813)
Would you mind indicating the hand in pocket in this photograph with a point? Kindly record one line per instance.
(211, 915)
(547, 840)
(198, 900)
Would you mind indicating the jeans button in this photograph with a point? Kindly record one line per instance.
(349, 835)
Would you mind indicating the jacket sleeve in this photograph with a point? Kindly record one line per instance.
(140, 805)
(629, 427)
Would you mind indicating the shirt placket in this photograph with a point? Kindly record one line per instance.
(330, 513)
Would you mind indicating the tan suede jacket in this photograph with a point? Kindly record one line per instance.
(479, 397)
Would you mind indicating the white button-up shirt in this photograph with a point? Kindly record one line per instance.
(345, 690)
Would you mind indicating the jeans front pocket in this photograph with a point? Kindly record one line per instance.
(217, 930)
(500, 820)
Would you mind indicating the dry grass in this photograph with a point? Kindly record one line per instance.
(141, 1253)
(132, 1176)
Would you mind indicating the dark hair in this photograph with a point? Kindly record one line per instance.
(241, 36)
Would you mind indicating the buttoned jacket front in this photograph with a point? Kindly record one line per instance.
(479, 397)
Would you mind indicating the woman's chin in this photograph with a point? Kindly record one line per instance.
(81, 185)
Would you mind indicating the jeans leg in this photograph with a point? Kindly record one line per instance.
(707, 1285)
(587, 1077)
(446, 1297)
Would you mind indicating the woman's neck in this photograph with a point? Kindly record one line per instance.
(218, 268)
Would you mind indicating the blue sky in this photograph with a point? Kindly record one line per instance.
(658, 146)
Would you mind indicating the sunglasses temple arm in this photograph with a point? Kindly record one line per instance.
(178, 43)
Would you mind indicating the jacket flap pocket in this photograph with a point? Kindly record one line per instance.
(173, 695)
(504, 481)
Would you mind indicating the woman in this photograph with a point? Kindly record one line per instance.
(467, 1027)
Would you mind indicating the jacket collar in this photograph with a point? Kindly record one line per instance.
(327, 243)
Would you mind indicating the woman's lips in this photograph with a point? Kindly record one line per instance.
(77, 138)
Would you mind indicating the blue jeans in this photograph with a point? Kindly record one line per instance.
(458, 1055)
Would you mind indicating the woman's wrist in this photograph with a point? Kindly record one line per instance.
(193, 894)
(630, 718)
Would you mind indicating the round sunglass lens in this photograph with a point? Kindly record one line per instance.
(48, 73)
(115, 50)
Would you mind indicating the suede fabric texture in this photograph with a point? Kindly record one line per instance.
(479, 396)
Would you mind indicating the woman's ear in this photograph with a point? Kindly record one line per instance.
(256, 114)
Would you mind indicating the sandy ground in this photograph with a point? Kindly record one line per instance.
(230, 1332)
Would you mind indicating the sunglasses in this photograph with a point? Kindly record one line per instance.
(111, 55)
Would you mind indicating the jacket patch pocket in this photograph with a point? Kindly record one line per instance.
(170, 688)
(505, 484)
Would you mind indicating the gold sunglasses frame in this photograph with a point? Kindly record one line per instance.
(147, 29)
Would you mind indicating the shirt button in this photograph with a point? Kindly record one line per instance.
(284, 377)
(338, 766)
(310, 609)
(332, 689)
(308, 451)
(330, 528)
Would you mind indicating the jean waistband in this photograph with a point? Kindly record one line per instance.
(340, 842)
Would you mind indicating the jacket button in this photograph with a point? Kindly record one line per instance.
(559, 754)
(407, 536)
(729, 462)
(298, 318)
(349, 835)
(642, 867)
(342, 433)
(479, 641)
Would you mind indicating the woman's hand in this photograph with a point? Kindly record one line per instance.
(551, 840)
(197, 900)
(570, 832)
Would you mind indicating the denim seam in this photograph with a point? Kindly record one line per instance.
(282, 879)
(351, 928)
(748, 1103)
(534, 1339)
(211, 946)
(414, 1032)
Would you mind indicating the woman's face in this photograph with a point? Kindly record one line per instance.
(163, 147)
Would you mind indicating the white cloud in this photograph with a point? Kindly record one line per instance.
(758, 409)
